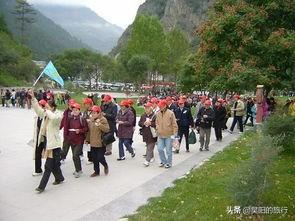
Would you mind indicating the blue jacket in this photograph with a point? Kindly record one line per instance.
(184, 117)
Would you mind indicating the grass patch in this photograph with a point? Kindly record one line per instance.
(204, 193)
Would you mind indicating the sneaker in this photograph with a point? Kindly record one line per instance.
(176, 151)
(207, 148)
(94, 174)
(201, 149)
(62, 161)
(37, 174)
(161, 165)
(187, 151)
(133, 154)
(230, 131)
(152, 160)
(106, 170)
(121, 158)
(58, 182)
(240, 132)
(144, 155)
(167, 166)
(89, 162)
(77, 174)
(39, 190)
(146, 163)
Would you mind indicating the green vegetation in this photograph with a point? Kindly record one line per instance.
(245, 43)
(16, 66)
(257, 170)
(43, 37)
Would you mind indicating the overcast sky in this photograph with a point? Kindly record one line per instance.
(119, 12)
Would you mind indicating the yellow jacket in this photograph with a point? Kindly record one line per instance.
(166, 124)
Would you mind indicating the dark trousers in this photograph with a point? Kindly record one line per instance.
(251, 119)
(65, 149)
(218, 132)
(184, 131)
(89, 156)
(52, 165)
(98, 157)
(3, 102)
(38, 157)
(127, 143)
(238, 119)
(76, 152)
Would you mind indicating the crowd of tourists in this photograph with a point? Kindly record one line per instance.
(94, 127)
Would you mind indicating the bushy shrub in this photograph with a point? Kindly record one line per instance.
(281, 127)
(250, 181)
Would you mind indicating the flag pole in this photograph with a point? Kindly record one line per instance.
(38, 79)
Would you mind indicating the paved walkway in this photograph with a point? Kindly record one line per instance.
(128, 185)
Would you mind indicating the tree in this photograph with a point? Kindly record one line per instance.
(147, 39)
(24, 16)
(178, 49)
(138, 67)
(247, 42)
(187, 80)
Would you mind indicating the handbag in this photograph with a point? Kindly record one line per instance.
(154, 132)
(108, 138)
(192, 139)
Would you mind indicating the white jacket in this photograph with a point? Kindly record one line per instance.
(52, 127)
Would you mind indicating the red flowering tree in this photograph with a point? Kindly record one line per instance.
(247, 42)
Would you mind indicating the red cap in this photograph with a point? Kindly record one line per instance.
(237, 96)
(130, 101)
(42, 102)
(107, 98)
(220, 100)
(148, 104)
(168, 99)
(87, 100)
(96, 109)
(71, 102)
(162, 103)
(77, 106)
(49, 94)
(124, 103)
(154, 100)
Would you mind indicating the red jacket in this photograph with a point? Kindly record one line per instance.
(76, 123)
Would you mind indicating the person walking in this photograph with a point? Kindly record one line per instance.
(125, 122)
(64, 125)
(238, 113)
(98, 125)
(205, 118)
(109, 111)
(184, 121)
(167, 129)
(219, 118)
(249, 113)
(50, 130)
(148, 122)
(39, 140)
(76, 134)
(88, 104)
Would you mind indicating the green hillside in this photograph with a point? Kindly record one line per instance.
(44, 37)
(16, 66)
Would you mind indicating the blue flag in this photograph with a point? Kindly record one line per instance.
(51, 72)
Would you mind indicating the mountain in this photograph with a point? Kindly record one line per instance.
(44, 37)
(84, 24)
(185, 14)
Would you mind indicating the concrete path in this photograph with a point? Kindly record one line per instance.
(128, 185)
